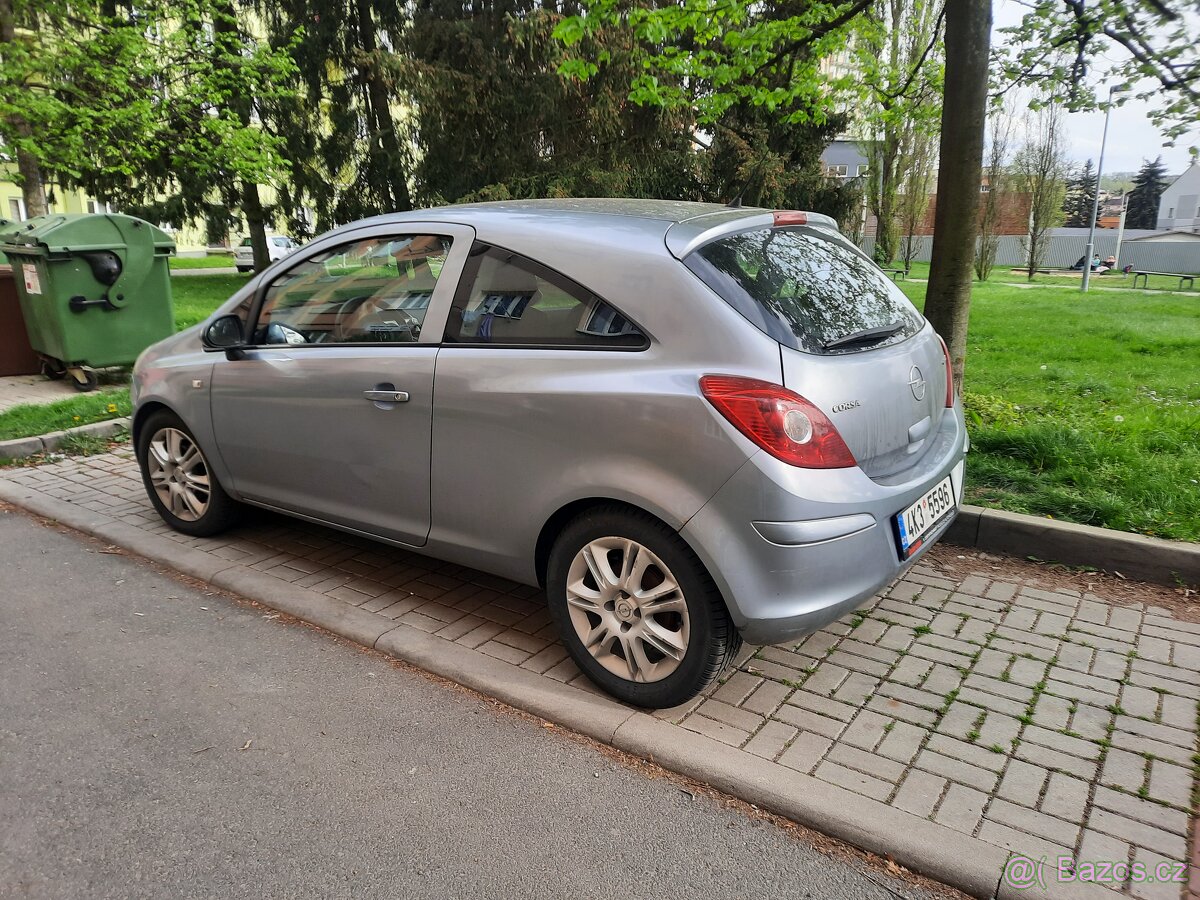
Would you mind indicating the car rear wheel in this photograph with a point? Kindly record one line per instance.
(179, 481)
(636, 609)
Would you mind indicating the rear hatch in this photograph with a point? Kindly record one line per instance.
(851, 342)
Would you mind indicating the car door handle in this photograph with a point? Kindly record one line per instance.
(386, 396)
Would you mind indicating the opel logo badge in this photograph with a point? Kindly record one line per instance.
(916, 383)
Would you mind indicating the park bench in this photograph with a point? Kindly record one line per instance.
(1045, 270)
(1145, 276)
(897, 274)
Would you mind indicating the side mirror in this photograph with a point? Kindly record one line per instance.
(227, 334)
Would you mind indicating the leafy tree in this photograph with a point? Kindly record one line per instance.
(496, 120)
(76, 93)
(1067, 47)
(898, 54)
(343, 127)
(1081, 197)
(992, 203)
(206, 153)
(758, 160)
(1148, 185)
(1040, 170)
(914, 195)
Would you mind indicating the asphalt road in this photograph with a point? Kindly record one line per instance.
(160, 741)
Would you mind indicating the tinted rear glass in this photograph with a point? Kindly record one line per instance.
(806, 288)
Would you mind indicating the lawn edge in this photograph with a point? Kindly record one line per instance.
(1132, 555)
(20, 448)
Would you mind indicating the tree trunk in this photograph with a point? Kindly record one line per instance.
(381, 127)
(30, 171)
(960, 172)
(256, 222)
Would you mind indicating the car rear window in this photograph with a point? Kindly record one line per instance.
(809, 289)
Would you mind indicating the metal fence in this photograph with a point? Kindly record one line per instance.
(1065, 249)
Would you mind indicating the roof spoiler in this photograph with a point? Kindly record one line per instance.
(684, 237)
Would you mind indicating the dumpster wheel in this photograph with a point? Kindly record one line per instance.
(83, 379)
(53, 369)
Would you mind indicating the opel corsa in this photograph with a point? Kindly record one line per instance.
(691, 424)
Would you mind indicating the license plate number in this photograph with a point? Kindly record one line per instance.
(919, 519)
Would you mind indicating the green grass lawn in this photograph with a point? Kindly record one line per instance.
(1073, 280)
(31, 419)
(212, 261)
(197, 296)
(1081, 408)
(1085, 408)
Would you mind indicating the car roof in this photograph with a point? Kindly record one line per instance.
(681, 224)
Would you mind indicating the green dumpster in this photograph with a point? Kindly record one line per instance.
(95, 290)
(7, 226)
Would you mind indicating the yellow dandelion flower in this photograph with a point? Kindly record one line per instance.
(112, 407)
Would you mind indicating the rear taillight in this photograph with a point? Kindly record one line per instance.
(949, 374)
(781, 422)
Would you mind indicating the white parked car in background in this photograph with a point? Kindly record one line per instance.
(278, 246)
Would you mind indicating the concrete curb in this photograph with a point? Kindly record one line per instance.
(961, 861)
(1133, 555)
(19, 448)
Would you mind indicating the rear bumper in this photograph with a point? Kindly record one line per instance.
(824, 542)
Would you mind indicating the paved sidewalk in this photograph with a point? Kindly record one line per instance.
(1045, 722)
(18, 389)
(214, 270)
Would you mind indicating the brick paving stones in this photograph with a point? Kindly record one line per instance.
(1043, 721)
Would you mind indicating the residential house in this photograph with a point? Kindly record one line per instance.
(1179, 206)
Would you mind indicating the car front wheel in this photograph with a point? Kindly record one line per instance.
(636, 609)
(179, 480)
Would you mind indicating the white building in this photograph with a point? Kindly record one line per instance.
(1179, 206)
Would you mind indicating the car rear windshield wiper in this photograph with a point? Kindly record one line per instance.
(866, 336)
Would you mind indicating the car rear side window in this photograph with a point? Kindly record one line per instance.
(810, 290)
(505, 299)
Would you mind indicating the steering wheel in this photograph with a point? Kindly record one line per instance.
(354, 318)
(342, 318)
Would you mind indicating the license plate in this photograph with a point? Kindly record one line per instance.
(919, 519)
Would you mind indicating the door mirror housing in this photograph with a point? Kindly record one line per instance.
(226, 333)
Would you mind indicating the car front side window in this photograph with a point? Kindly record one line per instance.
(370, 291)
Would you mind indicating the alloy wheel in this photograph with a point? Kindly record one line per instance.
(179, 473)
(627, 609)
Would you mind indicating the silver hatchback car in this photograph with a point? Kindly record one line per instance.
(692, 424)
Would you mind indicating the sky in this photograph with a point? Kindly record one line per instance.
(1132, 137)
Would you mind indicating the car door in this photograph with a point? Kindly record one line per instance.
(329, 413)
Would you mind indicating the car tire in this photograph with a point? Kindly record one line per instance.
(179, 481)
(609, 585)
(244, 269)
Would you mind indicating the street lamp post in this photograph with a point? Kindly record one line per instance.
(1091, 244)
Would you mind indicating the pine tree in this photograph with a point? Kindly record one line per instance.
(1148, 186)
(1081, 197)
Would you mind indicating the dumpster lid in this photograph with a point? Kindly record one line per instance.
(81, 232)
